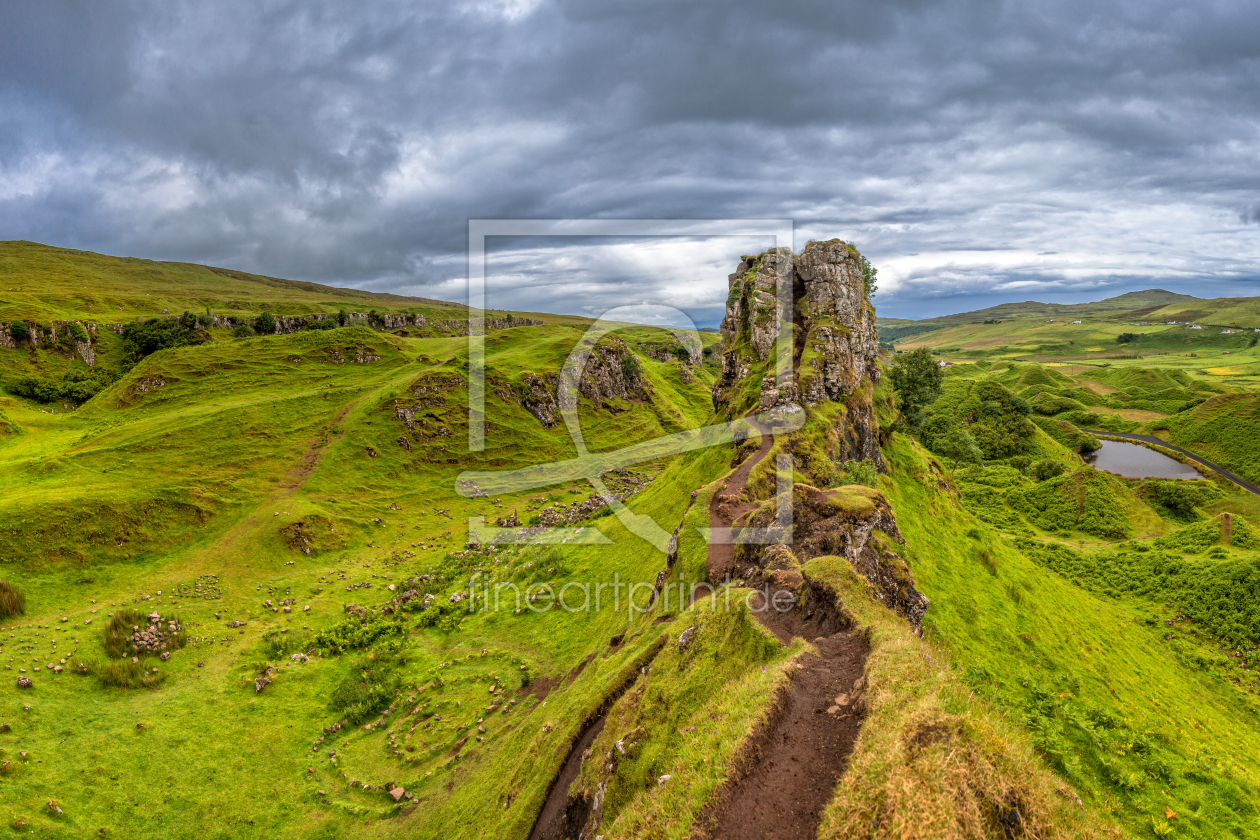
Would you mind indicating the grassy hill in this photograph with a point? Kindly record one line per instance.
(1131, 330)
(294, 500)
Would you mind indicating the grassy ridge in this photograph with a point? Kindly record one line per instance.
(1223, 429)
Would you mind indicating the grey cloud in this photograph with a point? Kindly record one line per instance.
(1015, 148)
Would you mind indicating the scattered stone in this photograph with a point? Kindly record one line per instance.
(397, 794)
(685, 639)
(662, 780)
(25, 682)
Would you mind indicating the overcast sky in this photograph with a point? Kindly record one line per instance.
(977, 152)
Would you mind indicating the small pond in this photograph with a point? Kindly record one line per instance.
(1133, 461)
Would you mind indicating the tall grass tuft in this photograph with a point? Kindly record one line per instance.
(12, 602)
(123, 673)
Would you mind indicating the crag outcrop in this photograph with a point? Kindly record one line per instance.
(833, 324)
(854, 522)
(820, 295)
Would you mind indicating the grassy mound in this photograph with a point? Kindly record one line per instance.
(1084, 500)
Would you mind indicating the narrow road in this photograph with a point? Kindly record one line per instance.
(1243, 483)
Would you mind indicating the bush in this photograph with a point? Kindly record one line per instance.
(20, 332)
(142, 338)
(630, 369)
(1126, 338)
(358, 632)
(12, 601)
(243, 331)
(1020, 462)
(77, 332)
(77, 385)
(265, 324)
(1047, 468)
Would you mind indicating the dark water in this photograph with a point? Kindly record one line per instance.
(1133, 461)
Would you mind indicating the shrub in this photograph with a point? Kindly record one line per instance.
(630, 369)
(358, 632)
(20, 332)
(243, 331)
(77, 332)
(77, 385)
(1047, 468)
(12, 601)
(123, 673)
(142, 338)
(265, 324)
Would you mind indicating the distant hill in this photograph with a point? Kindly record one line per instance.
(1129, 301)
(43, 282)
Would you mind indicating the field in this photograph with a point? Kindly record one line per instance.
(298, 504)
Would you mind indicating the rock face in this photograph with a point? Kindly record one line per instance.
(834, 341)
(843, 522)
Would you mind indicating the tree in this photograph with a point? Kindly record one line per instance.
(1126, 338)
(917, 379)
(342, 317)
(959, 446)
(868, 278)
(265, 324)
(19, 332)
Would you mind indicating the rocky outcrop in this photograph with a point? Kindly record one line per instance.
(55, 334)
(612, 373)
(833, 340)
(843, 522)
(538, 397)
(834, 337)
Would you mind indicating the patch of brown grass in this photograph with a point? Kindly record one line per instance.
(12, 601)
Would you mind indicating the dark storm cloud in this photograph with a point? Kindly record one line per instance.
(975, 150)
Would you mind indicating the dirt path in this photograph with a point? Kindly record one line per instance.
(555, 822)
(725, 508)
(791, 765)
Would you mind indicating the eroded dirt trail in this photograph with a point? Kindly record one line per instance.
(725, 508)
(789, 768)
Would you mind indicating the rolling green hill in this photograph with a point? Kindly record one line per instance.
(299, 504)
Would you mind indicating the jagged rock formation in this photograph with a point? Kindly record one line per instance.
(611, 373)
(55, 334)
(834, 341)
(833, 360)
